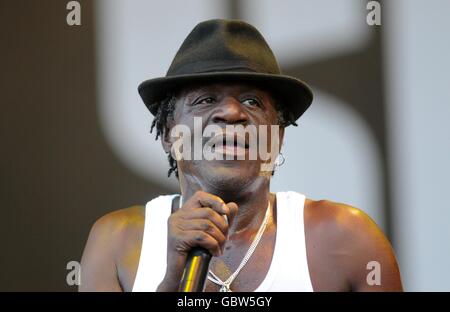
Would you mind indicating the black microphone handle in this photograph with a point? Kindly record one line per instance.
(195, 271)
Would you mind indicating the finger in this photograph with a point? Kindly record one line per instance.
(203, 199)
(209, 214)
(205, 226)
(214, 202)
(203, 240)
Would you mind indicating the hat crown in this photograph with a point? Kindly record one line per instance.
(223, 45)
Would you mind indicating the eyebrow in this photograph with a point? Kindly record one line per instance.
(215, 87)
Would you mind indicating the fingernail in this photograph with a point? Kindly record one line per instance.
(225, 208)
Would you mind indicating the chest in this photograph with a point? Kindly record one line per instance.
(252, 273)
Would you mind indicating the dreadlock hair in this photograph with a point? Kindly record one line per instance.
(166, 108)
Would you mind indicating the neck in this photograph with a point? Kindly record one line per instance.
(252, 202)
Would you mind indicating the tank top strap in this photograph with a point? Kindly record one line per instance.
(289, 267)
(153, 259)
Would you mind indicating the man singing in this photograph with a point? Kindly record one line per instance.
(223, 75)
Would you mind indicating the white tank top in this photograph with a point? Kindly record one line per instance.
(288, 270)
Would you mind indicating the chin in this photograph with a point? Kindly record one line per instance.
(229, 176)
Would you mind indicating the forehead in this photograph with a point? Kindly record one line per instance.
(228, 87)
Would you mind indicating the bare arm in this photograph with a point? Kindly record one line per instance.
(375, 267)
(347, 251)
(98, 267)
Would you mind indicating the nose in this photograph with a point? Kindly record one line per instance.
(230, 111)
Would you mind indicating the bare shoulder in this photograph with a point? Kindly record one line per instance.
(111, 239)
(336, 218)
(121, 231)
(346, 241)
(120, 222)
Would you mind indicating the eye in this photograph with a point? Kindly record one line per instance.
(206, 100)
(251, 102)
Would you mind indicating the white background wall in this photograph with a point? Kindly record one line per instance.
(417, 51)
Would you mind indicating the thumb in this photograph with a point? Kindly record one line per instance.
(233, 207)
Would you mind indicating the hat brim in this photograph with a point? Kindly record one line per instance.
(295, 95)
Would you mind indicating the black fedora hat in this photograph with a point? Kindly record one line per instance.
(218, 50)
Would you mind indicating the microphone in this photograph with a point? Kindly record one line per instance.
(195, 271)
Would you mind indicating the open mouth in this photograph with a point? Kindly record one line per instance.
(230, 145)
(235, 142)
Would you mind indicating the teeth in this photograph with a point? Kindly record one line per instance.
(232, 142)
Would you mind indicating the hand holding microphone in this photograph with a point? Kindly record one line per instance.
(195, 232)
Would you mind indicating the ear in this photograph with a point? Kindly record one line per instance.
(166, 139)
(281, 135)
